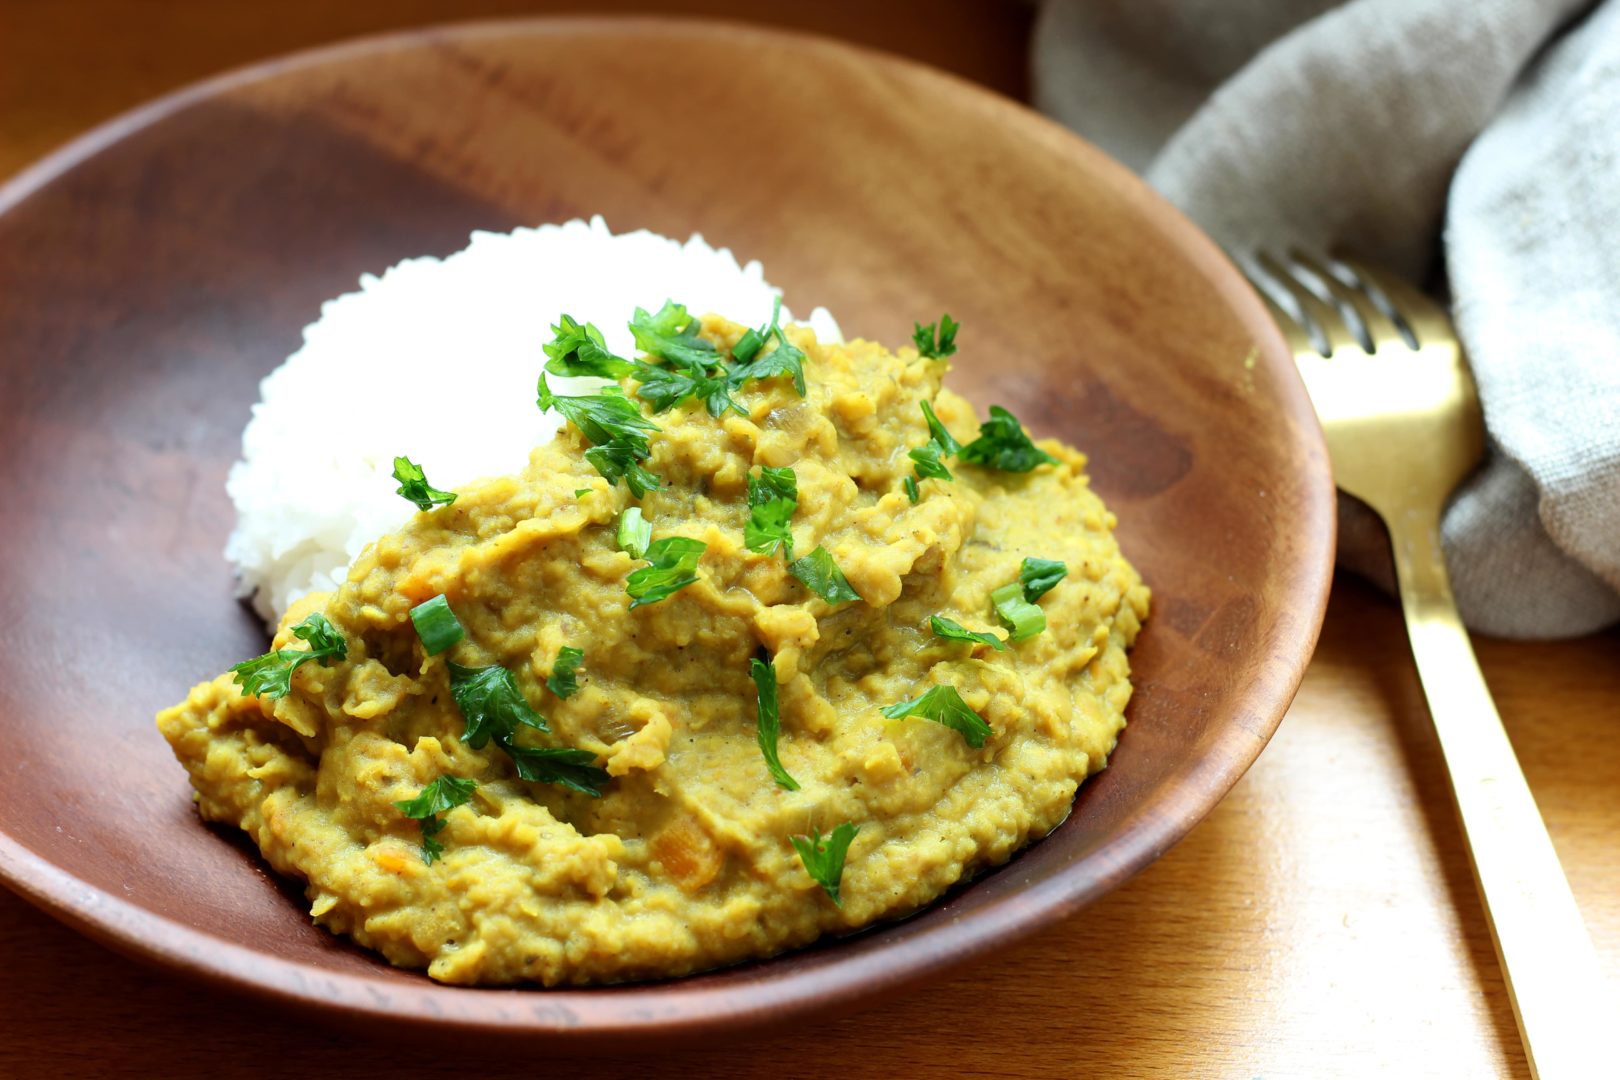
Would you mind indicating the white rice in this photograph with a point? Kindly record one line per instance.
(437, 360)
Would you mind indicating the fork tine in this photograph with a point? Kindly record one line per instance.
(1298, 340)
(1426, 319)
(1381, 330)
(1326, 319)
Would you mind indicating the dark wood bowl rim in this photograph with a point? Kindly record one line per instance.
(552, 1014)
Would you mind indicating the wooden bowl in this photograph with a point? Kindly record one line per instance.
(152, 272)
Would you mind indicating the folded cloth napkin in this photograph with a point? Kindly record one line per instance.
(1403, 130)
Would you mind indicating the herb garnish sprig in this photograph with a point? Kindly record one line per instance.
(414, 487)
(951, 630)
(270, 675)
(823, 857)
(944, 705)
(936, 341)
(614, 427)
(820, 574)
(673, 566)
(770, 722)
(444, 794)
(773, 496)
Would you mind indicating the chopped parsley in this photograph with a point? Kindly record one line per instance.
(564, 766)
(955, 631)
(785, 359)
(579, 350)
(1038, 576)
(1003, 444)
(494, 708)
(414, 486)
(944, 705)
(664, 388)
(270, 675)
(491, 704)
(674, 561)
(436, 625)
(936, 341)
(443, 795)
(580, 493)
(773, 496)
(929, 459)
(820, 574)
(672, 335)
(635, 533)
(614, 427)
(562, 680)
(1022, 618)
(823, 858)
(770, 722)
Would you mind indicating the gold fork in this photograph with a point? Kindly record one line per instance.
(1389, 381)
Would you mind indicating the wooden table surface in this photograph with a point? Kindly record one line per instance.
(1321, 922)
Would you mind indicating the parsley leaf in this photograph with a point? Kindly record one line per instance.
(936, 344)
(564, 766)
(943, 705)
(821, 576)
(773, 496)
(443, 795)
(664, 388)
(910, 486)
(785, 359)
(1003, 444)
(770, 722)
(270, 675)
(621, 461)
(955, 631)
(1022, 618)
(823, 858)
(614, 427)
(937, 431)
(580, 350)
(927, 463)
(672, 335)
(674, 560)
(1038, 576)
(491, 704)
(494, 708)
(562, 681)
(635, 533)
(414, 486)
(436, 625)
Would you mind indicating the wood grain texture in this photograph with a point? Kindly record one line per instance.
(1320, 922)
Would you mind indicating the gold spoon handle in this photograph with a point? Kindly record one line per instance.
(1558, 992)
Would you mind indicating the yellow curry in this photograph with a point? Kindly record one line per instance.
(684, 857)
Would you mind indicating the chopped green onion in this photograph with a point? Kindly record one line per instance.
(1022, 618)
(823, 858)
(414, 487)
(820, 574)
(770, 724)
(436, 625)
(1038, 576)
(954, 631)
(562, 681)
(635, 532)
(943, 705)
(909, 484)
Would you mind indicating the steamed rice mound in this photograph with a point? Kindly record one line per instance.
(685, 863)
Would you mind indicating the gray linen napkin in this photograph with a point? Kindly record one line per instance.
(1385, 127)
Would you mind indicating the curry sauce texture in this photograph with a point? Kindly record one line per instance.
(685, 861)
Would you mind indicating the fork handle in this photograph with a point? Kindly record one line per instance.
(1558, 992)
